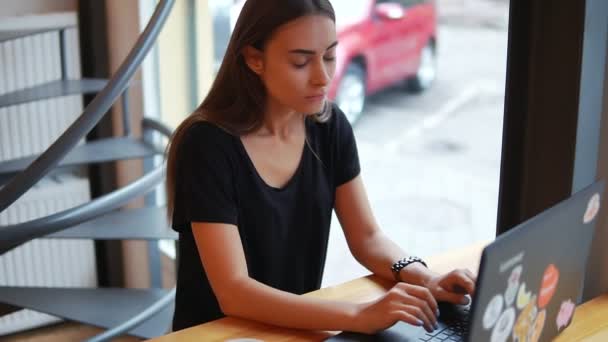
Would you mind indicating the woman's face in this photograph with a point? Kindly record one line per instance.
(298, 63)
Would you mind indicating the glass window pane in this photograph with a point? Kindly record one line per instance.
(429, 134)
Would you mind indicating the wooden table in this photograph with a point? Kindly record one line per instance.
(590, 321)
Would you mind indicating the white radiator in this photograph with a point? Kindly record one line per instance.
(28, 129)
(46, 262)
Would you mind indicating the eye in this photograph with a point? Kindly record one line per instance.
(300, 66)
(329, 58)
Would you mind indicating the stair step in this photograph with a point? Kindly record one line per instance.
(6, 309)
(52, 89)
(16, 34)
(102, 307)
(148, 223)
(98, 151)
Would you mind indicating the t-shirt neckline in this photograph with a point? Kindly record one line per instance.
(291, 180)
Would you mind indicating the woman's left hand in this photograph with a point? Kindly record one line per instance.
(453, 287)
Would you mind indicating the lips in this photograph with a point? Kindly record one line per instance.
(318, 96)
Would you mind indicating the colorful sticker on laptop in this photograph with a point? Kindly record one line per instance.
(513, 285)
(523, 296)
(566, 311)
(525, 322)
(548, 285)
(593, 207)
(493, 311)
(539, 325)
(503, 326)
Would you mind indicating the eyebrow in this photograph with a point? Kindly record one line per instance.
(312, 52)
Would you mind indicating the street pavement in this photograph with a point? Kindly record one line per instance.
(431, 162)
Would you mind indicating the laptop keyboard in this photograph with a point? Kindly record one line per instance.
(456, 329)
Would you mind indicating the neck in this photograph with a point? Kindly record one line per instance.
(280, 122)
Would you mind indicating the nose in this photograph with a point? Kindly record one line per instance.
(320, 75)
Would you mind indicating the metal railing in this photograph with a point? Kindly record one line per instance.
(135, 320)
(15, 235)
(100, 105)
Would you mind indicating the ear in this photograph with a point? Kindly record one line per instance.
(254, 59)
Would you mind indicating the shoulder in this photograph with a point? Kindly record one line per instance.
(205, 131)
(204, 140)
(338, 119)
(206, 135)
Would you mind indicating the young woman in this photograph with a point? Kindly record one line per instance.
(254, 174)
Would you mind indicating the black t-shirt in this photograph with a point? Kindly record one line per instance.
(284, 231)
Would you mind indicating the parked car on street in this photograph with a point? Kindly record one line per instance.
(382, 43)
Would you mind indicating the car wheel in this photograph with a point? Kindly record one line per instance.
(427, 70)
(350, 96)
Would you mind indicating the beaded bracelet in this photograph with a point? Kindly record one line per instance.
(400, 264)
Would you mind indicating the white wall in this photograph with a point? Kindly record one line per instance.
(21, 7)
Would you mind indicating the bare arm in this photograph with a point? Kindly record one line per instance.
(222, 256)
(366, 241)
(374, 250)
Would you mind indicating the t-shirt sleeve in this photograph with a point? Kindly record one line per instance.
(204, 189)
(346, 164)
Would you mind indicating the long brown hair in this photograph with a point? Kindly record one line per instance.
(237, 98)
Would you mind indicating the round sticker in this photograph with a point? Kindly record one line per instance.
(502, 329)
(525, 322)
(539, 324)
(513, 285)
(523, 297)
(566, 311)
(593, 207)
(493, 311)
(548, 286)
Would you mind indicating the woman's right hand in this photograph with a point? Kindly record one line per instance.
(404, 302)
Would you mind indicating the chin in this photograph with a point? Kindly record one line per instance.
(314, 109)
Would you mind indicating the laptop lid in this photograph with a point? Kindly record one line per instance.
(531, 278)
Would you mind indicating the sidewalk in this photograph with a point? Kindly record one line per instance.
(485, 13)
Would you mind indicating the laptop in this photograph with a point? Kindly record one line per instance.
(530, 280)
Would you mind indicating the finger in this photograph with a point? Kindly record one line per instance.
(417, 312)
(404, 316)
(424, 307)
(460, 283)
(403, 299)
(468, 284)
(456, 288)
(424, 294)
(451, 297)
(472, 277)
(470, 274)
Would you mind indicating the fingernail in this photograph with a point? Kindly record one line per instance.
(420, 323)
(437, 313)
(436, 325)
(464, 301)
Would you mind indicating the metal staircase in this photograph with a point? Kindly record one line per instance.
(144, 313)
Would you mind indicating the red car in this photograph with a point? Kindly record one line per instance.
(382, 43)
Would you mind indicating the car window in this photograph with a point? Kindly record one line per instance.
(404, 3)
(411, 3)
(349, 11)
